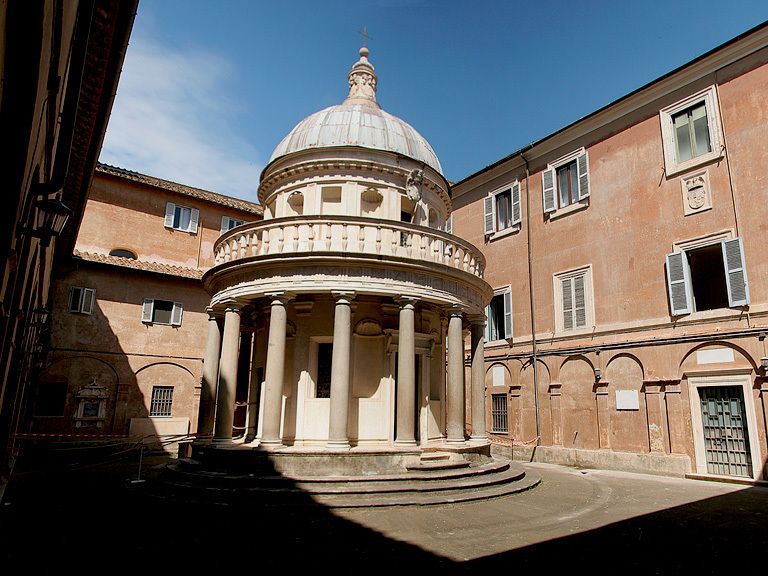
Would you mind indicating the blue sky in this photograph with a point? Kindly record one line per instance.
(210, 88)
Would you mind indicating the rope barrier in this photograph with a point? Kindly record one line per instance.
(506, 441)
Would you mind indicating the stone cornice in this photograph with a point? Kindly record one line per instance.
(694, 71)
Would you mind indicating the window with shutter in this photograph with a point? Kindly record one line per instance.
(449, 224)
(81, 300)
(499, 316)
(565, 183)
(146, 310)
(707, 276)
(573, 300)
(170, 214)
(501, 209)
(176, 314)
(489, 218)
(181, 218)
(87, 303)
(567, 285)
(548, 190)
(735, 272)
(516, 203)
(75, 297)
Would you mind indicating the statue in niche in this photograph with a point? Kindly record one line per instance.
(413, 184)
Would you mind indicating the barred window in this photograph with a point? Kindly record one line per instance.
(162, 400)
(499, 413)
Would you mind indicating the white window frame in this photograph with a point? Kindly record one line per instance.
(589, 300)
(490, 219)
(227, 223)
(170, 217)
(148, 312)
(85, 300)
(708, 96)
(506, 293)
(687, 308)
(552, 208)
(448, 226)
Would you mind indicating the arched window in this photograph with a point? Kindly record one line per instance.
(122, 253)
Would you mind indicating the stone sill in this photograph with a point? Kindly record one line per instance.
(570, 209)
(727, 479)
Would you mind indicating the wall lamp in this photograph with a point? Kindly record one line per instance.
(40, 317)
(598, 374)
(52, 216)
(764, 364)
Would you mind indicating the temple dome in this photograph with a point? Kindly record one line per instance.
(358, 121)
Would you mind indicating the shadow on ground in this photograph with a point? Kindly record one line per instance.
(69, 513)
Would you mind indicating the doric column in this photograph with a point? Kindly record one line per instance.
(254, 387)
(225, 400)
(275, 372)
(210, 377)
(478, 379)
(406, 374)
(455, 410)
(340, 383)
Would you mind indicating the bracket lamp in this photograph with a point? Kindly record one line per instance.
(52, 216)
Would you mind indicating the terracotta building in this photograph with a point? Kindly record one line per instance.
(627, 327)
(128, 312)
(59, 65)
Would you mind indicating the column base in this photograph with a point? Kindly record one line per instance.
(479, 440)
(406, 443)
(219, 441)
(271, 444)
(456, 440)
(338, 445)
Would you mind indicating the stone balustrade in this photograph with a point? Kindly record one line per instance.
(348, 235)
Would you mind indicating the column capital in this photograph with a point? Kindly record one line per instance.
(232, 305)
(454, 311)
(405, 301)
(282, 297)
(211, 311)
(476, 319)
(343, 296)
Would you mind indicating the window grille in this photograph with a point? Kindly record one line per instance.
(162, 400)
(499, 413)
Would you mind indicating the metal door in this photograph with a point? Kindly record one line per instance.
(726, 440)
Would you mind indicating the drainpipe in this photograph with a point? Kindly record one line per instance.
(534, 344)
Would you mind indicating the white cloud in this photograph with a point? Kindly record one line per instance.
(172, 119)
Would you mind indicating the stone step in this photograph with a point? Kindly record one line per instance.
(439, 465)
(527, 482)
(348, 486)
(185, 472)
(403, 486)
(499, 484)
(432, 456)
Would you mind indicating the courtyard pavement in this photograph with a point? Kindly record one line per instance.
(88, 519)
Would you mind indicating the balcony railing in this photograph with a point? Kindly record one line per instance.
(308, 235)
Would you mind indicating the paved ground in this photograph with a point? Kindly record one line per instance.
(84, 519)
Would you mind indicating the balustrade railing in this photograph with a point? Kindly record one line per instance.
(350, 235)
